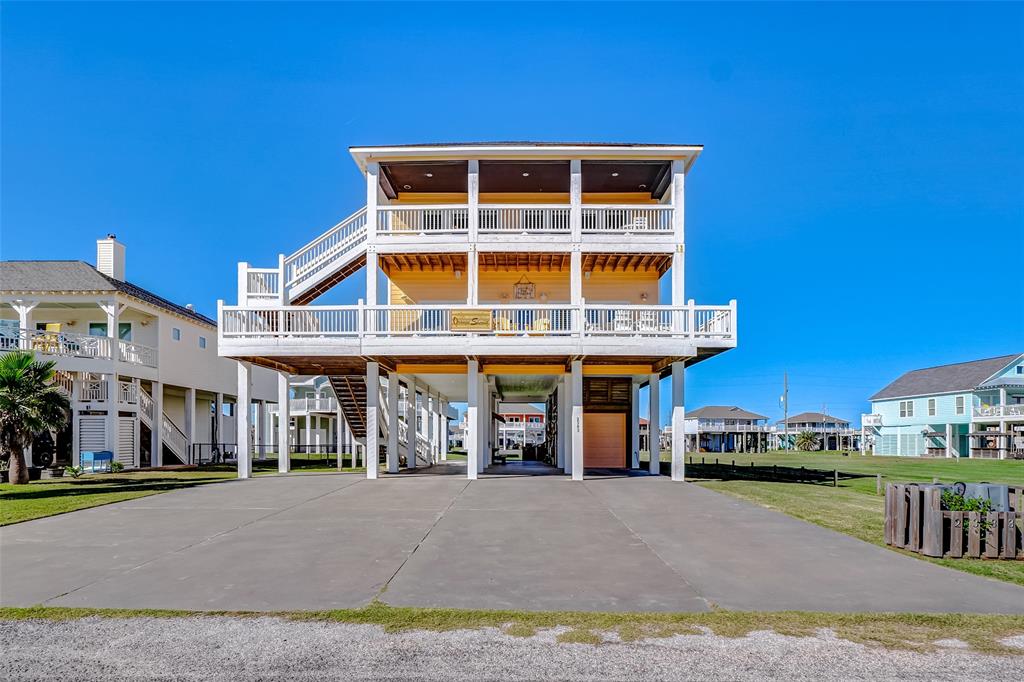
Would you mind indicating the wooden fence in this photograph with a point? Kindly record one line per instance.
(915, 521)
(732, 470)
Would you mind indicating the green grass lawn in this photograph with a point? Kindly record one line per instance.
(853, 508)
(59, 495)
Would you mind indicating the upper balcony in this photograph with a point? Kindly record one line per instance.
(79, 352)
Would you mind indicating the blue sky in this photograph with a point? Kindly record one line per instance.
(860, 192)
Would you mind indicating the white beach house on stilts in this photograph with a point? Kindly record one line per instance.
(516, 272)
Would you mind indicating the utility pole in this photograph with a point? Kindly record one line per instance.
(785, 410)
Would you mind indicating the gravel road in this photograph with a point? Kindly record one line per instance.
(271, 649)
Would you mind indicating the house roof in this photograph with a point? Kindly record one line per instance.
(960, 376)
(75, 276)
(814, 417)
(518, 408)
(723, 412)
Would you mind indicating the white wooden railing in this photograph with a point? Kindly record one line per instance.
(61, 344)
(147, 407)
(422, 219)
(127, 393)
(320, 253)
(627, 219)
(525, 219)
(999, 411)
(136, 353)
(691, 321)
(92, 390)
(263, 284)
(307, 405)
(173, 437)
(871, 420)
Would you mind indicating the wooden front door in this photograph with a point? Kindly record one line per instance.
(604, 439)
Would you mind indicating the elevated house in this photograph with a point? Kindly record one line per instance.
(492, 272)
(833, 433)
(965, 409)
(727, 428)
(521, 424)
(142, 373)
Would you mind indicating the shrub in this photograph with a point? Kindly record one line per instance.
(74, 472)
(116, 466)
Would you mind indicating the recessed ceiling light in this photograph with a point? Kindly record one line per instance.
(526, 175)
(406, 186)
(429, 175)
(643, 186)
(615, 174)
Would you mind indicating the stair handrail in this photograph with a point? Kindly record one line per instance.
(311, 258)
(173, 436)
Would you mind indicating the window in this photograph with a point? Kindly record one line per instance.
(124, 330)
(175, 333)
(959, 404)
(535, 420)
(931, 407)
(906, 408)
(202, 342)
(1020, 369)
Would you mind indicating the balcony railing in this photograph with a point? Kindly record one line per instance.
(71, 345)
(422, 219)
(268, 322)
(525, 219)
(307, 405)
(627, 219)
(999, 411)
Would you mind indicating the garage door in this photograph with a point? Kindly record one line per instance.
(604, 439)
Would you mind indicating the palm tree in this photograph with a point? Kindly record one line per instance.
(807, 441)
(29, 403)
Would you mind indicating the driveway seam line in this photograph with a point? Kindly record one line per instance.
(387, 583)
(197, 543)
(653, 551)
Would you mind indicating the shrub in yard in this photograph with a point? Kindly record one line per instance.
(74, 472)
(116, 466)
(807, 441)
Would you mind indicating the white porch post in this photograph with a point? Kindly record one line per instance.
(563, 416)
(443, 424)
(284, 404)
(634, 402)
(484, 418)
(576, 391)
(472, 276)
(242, 416)
(471, 435)
(259, 434)
(156, 458)
(576, 278)
(949, 439)
(410, 419)
(392, 456)
(218, 422)
(24, 310)
(190, 422)
(678, 231)
(473, 199)
(429, 412)
(372, 453)
(678, 422)
(654, 424)
(576, 200)
(413, 432)
(342, 435)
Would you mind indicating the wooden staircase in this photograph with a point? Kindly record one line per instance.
(350, 390)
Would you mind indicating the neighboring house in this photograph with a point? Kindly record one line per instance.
(726, 428)
(142, 373)
(521, 272)
(833, 433)
(966, 409)
(523, 425)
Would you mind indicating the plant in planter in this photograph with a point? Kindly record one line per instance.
(74, 472)
(29, 403)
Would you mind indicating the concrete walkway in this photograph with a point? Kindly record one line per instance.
(518, 542)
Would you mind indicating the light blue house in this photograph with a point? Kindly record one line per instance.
(967, 409)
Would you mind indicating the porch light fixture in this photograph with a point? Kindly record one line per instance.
(643, 186)
(526, 175)
(458, 274)
(643, 297)
(429, 175)
(406, 186)
(615, 174)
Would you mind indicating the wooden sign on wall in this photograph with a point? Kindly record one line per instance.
(471, 320)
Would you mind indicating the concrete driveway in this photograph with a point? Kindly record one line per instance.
(545, 543)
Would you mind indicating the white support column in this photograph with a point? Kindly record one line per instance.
(473, 199)
(242, 416)
(372, 453)
(484, 419)
(392, 456)
(679, 201)
(634, 402)
(156, 457)
(190, 422)
(576, 277)
(308, 428)
(472, 276)
(259, 433)
(24, 310)
(654, 424)
(317, 436)
(429, 415)
(1003, 441)
(576, 396)
(576, 200)
(678, 421)
(284, 404)
(218, 420)
(372, 193)
(564, 414)
(341, 429)
(471, 439)
(410, 419)
(949, 439)
(444, 430)
(371, 281)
